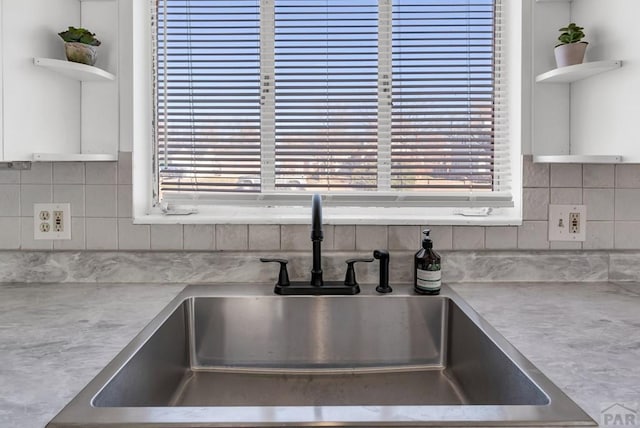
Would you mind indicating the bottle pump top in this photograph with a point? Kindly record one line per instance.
(426, 241)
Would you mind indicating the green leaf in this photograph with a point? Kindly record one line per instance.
(572, 33)
(81, 35)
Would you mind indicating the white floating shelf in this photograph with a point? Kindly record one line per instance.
(577, 159)
(573, 73)
(73, 157)
(74, 70)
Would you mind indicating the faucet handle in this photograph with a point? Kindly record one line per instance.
(283, 276)
(350, 277)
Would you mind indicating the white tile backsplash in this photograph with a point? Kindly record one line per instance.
(566, 175)
(34, 194)
(200, 237)
(10, 233)
(166, 237)
(535, 203)
(68, 173)
(102, 173)
(101, 200)
(565, 245)
(594, 175)
(468, 238)
(328, 242)
(627, 204)
(124, 168)
(599, 235)
(404, 237)
(442, 236)
(78, 238)
(72, 194)
(535, 174)
(133, 236)
(101, 233)
(600, 204)
(9, 200)
(295, 237)
(40, 173)
(344, 238)
(369, 238)
(8, 176)
(232, 237)
(566, 195)
(501, 238)
(627, 176)
(125, 201)
(264, 237)
(26, 237)
(627, 235)
(532, 235)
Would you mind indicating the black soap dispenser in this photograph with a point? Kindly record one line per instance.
(427, 268)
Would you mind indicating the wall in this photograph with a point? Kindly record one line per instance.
(605, 109)
(100, 195)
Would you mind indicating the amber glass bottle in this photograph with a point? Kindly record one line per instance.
(427, 273)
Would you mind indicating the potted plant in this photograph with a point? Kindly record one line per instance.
(571, 49)
(80, 45)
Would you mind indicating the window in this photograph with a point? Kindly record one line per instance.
(372, 102)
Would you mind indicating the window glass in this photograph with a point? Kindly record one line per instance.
(401, 98)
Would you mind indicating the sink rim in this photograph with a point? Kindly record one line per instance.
(560, 409)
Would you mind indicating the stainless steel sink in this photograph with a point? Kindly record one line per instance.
(238, 356)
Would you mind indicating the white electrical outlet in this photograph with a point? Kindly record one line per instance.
(52, 221)
(567, 222)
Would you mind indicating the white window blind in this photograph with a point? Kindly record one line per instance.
(403, 99)
(326, 94)
(208, 95)
(446, 129)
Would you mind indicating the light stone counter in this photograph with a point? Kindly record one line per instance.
(54, 338)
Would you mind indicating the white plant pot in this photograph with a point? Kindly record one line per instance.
(80, 52)
(570, 54)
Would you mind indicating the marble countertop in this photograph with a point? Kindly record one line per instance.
(54, 338)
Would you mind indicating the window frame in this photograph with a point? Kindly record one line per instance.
(293, 209)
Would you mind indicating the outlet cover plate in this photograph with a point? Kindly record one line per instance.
(559, 226)
(44, 222)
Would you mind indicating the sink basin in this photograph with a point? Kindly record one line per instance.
(238, 356)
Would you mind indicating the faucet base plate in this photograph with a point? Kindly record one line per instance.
(330, 288)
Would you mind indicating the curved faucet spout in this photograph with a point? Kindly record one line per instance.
(316, 239)
(316, 218)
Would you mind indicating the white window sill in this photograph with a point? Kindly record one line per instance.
(336, 216)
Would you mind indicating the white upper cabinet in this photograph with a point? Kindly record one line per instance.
(53, 109)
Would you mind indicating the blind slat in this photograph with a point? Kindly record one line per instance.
(418, 113)
(313, 94)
